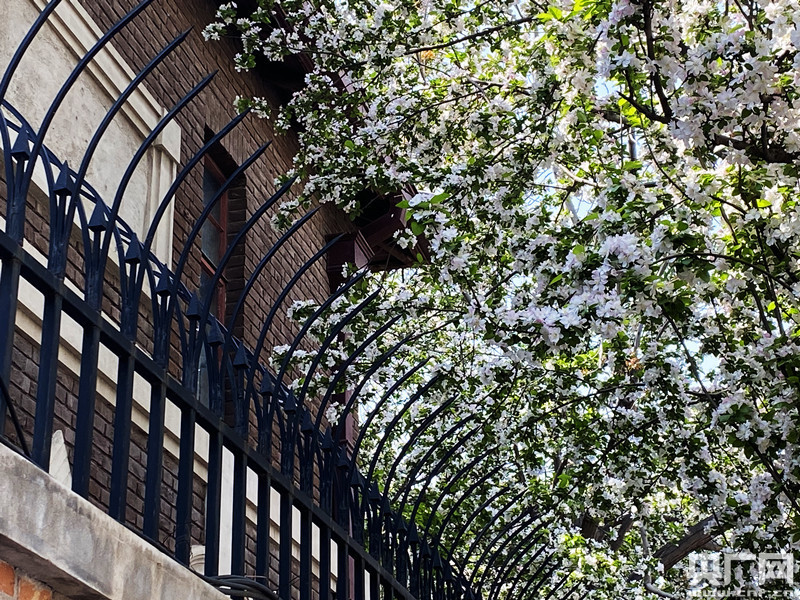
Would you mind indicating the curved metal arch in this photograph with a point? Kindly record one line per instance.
(393, 423)
(316, 440)
(500, 513)
(371, 371)
(384, 398)
(437, 541)
(377, 364)
(262, 335)
(333, 336)
(148, 141)
(536, 578)
(290, 434)
(453, 479)
(473, 515)
(515, 557)
(442, 461)
(517, 549)
(357, 390)
(555, 589)
(248, 286)
(188, 245)
(113, 211)
(146, 246)
(335, 332)
(404, 544)
(539, 581)
(429, 419)
(507, 533)
(184, 172)
(200, 221)
(112, 112)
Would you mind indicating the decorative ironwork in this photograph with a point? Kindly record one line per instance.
(379, 552)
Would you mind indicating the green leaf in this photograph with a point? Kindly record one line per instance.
(417, 228)
(349, 145)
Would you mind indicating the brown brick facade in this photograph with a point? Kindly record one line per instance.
(15, 585)
(211, 111)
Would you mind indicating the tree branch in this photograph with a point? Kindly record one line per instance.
(695, 539)
(767, 153)
(471, 36)
(655, 77)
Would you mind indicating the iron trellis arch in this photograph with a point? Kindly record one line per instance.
(370, 528)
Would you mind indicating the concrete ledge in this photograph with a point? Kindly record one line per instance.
(64, 541)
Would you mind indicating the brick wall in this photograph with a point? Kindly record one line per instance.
(15, 585)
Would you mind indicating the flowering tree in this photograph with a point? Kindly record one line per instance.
(610, 309)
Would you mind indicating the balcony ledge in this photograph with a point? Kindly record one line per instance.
(65, 542)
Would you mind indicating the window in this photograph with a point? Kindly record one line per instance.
(224, 221)
(214, 235)
(214, 242)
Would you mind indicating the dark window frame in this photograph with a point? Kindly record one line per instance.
(220, 225)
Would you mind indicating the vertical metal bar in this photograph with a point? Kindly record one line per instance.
(213, 500)
(120, 454)
(324, 562)
(359, 583)
(285, 550)
(263, 526)
(413, 570)
(183, 503)
(46, 387)
(16, 203)
(155, 461)
(9, 292)
(238, 536)
(343, 571)
(305, 554)
(374, 586)
(84, 420)
(14, 420)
